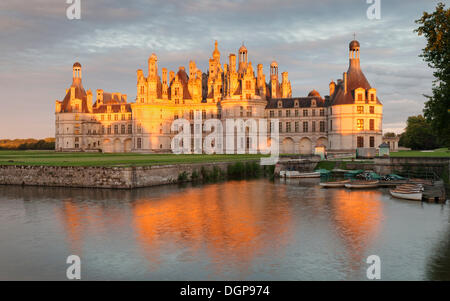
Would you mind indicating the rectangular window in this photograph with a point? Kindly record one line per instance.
(372, 124)
(372, 110)
(280, 113)
(314, 112)
(372, 141)
(241, 112)
(313, 126)
(203, 114)
(288, 113)
(360, 97)
(116, 129)
(139, 143)
(122, 129)
(191, 115)
(130, 129)
(271, 114)
(305, 127)
(122, 117)
(360, 124)
(280, 127)
(331, 125)
(109, 130)
(288, 127)
(360, 110)
(322, 126)
(322, 112)
(249, 111)
(305, 113)
(360, 141)
(116, 117)
(248, 85)
(297, 128)
(296, 113)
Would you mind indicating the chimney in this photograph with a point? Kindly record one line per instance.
(345, 82)
(332, 87)
(72, 93)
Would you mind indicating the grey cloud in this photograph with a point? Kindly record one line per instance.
(114, 38)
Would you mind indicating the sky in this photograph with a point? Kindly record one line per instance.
(114, 38)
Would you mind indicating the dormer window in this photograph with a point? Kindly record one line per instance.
(372, 95)
(280, 104)
(296, 104)
(360, 94)
(313, 103)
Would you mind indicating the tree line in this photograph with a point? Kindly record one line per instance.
(27, 144)
(432, 129)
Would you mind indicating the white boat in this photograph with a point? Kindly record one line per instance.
(414, 195)
(297, 174)
(362, 184)
(334, 184)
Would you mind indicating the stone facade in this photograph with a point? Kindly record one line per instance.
(350, 117)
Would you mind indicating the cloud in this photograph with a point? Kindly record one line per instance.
(114, 38)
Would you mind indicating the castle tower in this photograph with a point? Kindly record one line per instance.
(354, 53)
(77, 72)
(274, 79)
(243, 59)
(216, 53)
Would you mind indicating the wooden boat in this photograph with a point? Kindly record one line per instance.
(362, 184)
(407, 195)
(334, 184)
(296, 174)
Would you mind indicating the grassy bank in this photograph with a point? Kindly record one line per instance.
(50, 158)
(441, 152)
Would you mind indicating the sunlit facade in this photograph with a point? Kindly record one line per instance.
(349, 118)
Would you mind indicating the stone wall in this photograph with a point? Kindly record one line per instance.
(440, 166)
(99, 177)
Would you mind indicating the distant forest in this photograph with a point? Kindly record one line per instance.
(23, 144)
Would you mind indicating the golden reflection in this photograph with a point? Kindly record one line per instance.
(214, 219)
(358, 216)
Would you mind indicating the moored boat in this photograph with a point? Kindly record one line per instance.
(415, 195)
(296, 174)
(333, 184)
(362, 184)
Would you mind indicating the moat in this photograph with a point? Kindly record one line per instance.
(237, 230)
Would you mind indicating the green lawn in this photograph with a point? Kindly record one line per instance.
(51, 158)
(441, 152)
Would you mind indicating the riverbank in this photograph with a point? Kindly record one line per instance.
(120, 177)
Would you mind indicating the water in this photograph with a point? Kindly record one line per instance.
(241, 230)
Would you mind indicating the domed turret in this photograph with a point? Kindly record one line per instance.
(77, 71)
(216, 52)
(354, 45)
(243, 48)
(314, 93)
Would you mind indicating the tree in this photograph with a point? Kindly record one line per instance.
(390, 135)
(418, 134)
(436, 29)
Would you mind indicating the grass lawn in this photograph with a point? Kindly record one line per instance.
(51, 158)
(441, 152)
